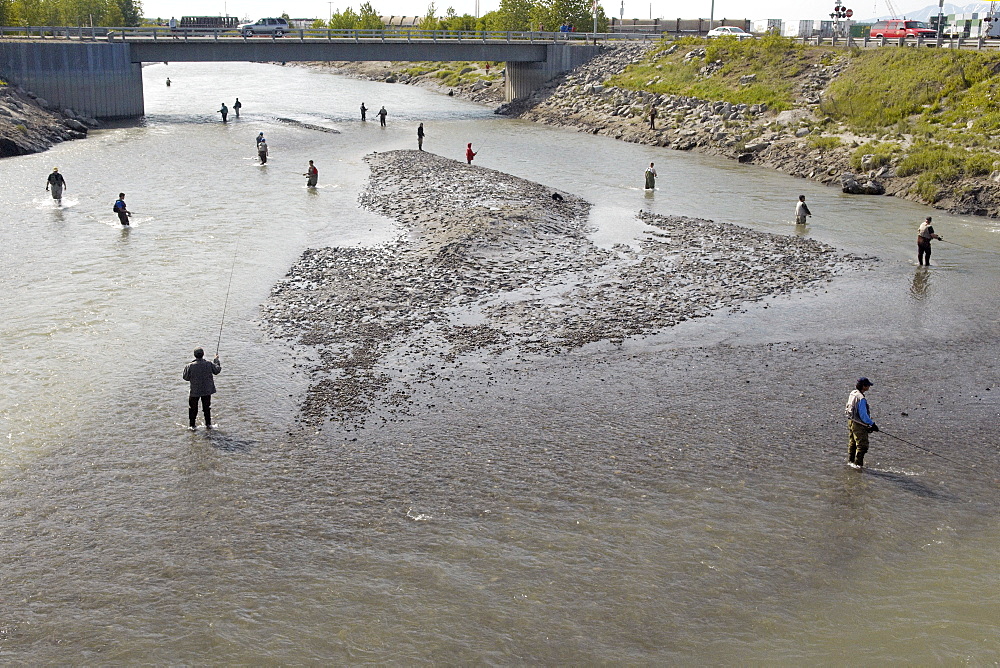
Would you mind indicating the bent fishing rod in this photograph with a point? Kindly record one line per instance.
(232, 270)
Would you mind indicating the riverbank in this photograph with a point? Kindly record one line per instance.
(30, 124)
(796, 134)
(499, 269)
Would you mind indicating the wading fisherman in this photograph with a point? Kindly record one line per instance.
(199, 373)
(801, 211)
(122, 210)
(168, 82)
(312, 175)
(924, 235)
(650, 177)
(420, 137)
(237, 106)
(262, 150)
(382, 113)
(224, 111)
(860, 423)
(56, 182)
(364, 110)
(469, 153)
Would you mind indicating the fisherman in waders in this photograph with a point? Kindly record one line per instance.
(122, 210)
(650, 177)
(924, 235)
(199, 373)
(57, 183)
(364, 110)
(382, 113)
(224, 111)
(312, 175)
(262, 151)
(860, 423)
(237, 106)
(420, 137)
(801, 211)
(469, 153)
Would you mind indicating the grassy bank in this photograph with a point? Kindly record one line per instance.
(931, 114)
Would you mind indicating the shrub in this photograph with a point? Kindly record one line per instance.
(979, 164)
(824, 143)
(882, 153)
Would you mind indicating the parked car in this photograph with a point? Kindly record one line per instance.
(729, 31)
(896, 28)
(276, 27)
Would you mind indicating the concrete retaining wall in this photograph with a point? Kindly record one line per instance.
(95, 79)
(524, 78)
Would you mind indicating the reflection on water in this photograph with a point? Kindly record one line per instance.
(664, 500)
(921, 283)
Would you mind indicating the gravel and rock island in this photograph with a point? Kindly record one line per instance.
(491, 267)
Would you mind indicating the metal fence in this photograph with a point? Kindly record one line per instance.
(302, 34)
(155, 33)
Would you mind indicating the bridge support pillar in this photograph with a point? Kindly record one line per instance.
(525, 78)
(91, 78)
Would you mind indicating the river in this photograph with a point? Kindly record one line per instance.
(679, 498)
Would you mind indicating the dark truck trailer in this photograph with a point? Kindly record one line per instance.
(208, 23)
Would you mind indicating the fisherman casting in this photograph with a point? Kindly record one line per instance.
(924, 235)
(199, 372)
(801, 211)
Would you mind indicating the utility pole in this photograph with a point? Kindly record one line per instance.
(711, 16)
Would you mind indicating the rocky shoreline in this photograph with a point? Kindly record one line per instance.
(30, 124)
(502, 269)
(583, 100)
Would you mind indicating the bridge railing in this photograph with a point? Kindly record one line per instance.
(116, 34)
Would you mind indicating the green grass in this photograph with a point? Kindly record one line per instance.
(823, 143)
(882, 153)
(774, 59)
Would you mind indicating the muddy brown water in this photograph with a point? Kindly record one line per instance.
(674, 498)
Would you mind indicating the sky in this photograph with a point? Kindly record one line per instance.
(634, 9)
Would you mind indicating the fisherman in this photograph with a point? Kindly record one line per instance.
(260, 138)
(364, 110)
(652, 117)
(122, 210)
(224, 111)
(312, 175)
(860, 423)
(237, 106)
(469, 153)
(57, 182)
(382, 113)
(420, 137)
(924, 235)
(801, 211)
(168, 82)
(650, 177)
(199, 373)
(262, 151)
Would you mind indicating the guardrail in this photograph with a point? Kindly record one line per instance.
(155, 33)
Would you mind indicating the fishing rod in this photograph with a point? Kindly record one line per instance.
(931, 452)
(982, 250)
(232, 270)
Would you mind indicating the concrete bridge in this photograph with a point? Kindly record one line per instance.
(101, 76)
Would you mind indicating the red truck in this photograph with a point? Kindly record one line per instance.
(896, 28)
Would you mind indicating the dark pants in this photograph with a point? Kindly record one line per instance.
(224, 117)
(263, 157)
(381, 119)
(123, 217)
(924, 252)
(206, 404)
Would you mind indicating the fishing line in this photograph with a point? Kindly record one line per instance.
(981, 250)
(931, 452)
(232, 270)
